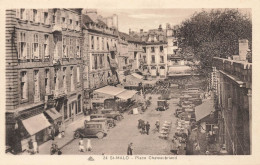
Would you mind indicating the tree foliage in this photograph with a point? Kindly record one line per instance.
(214, 34)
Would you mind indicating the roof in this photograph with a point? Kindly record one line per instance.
(127, 94)
(36, 124)
(110, 90)
(203, 110)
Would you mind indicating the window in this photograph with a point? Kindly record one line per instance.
(56, 79)
(22, 14)
(24, 85)
(152, 49)
(36, 86)
(35, 16)
(64, 79)
(92, 42)
(144, 57)
(175, 43)
(65, 48)
(46, 18)
(72, 87)
(56, 52)
(35, 47)
(65, 109)
(78, 74)
(47, 81)
(135, 53)
(101, 57)
(161, 59)
(95, 63)
(175, 52)
(97, 43)
(144, 49)
(63, 21)
(77, 49)
(125, 60)
(153, 58)
(71, 48)
(77, 23)
(46, 46)
(54, 16)
(22, 46)
(161, 48)
(79, 103)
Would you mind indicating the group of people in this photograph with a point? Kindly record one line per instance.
(82, 147)
(145, 127)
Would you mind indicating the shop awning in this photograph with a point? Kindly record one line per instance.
(137, 75)
(36, 124)
(127, 94)
(110, 90)
(54, 115)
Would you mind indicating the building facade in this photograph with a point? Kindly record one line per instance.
(43, 70)
(233, 89)
(100, 53)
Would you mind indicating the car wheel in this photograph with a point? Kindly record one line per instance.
(100, 135)
(76, 135)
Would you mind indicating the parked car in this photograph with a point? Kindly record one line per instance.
(110, 113)
(109, 122)
(91, 129)
(162, 105)
(94, 116)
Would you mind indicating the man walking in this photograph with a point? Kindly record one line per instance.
(147, 127)
(130, 149)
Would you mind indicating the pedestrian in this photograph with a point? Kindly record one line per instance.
(30, 146)
(130, 149)
(81, 145)
(63, 130)
(143, 127)
(89, 147)
(35, 147)
(157, 124)
(147, 127)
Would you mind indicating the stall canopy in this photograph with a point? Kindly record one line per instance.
(137, 75)
(53, 114)
(203, 110)
(127, 94)
(110, 90)
(36, 124)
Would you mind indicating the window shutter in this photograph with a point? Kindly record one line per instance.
(40, 51)
(27, 14)
(28, 50)
(17, 13)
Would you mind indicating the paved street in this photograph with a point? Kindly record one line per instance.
(126, 131)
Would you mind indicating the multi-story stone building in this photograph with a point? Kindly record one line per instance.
(234, 102)
(154, 54)
(100, 52)
(43, 72)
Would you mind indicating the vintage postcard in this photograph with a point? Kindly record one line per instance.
(116, 83)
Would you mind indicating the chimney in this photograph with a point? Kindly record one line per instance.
(160, 27)
(243, 48)
(129, 31)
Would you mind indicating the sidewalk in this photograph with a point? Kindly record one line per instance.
(44, 149)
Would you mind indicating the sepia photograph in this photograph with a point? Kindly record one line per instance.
(128, 83)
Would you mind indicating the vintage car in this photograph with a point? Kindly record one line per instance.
(94, 116)
(162, 105)
(91, 129)
(109, 122)
(110, 113)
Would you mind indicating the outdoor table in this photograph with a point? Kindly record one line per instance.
(165, 128)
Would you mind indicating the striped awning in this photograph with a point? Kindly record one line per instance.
(36, 123)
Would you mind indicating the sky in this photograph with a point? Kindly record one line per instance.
(146, 19)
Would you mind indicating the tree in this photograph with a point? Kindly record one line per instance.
(214, 34)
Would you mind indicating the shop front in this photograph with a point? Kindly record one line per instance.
(34, 129)
(55, 118)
